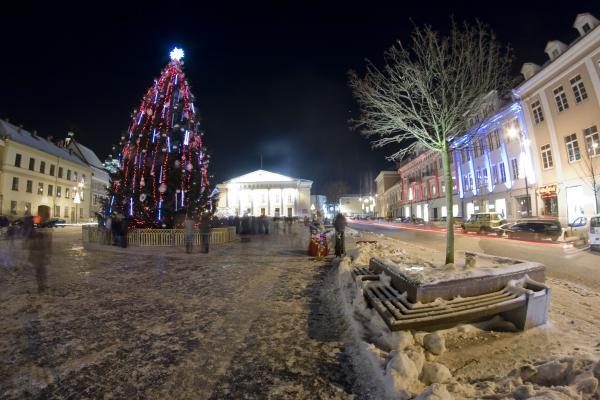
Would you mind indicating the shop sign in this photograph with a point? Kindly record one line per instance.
(547, 191)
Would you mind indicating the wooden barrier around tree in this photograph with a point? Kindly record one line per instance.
(157, 237)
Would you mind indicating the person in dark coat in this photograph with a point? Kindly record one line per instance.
(340, 226)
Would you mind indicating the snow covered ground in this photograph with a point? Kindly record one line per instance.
(489, 360)
(246, 321)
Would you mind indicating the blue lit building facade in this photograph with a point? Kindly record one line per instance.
(494, 163)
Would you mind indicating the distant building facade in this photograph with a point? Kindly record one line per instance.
(38, 177)
(388, 194)
(357, 205)
(99, 176)
(264, 193)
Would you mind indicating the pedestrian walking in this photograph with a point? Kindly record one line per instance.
(340, 226)
(189, 232)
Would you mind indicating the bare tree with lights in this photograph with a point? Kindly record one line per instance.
(432, 93)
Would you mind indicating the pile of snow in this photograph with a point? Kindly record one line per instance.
(417, 365)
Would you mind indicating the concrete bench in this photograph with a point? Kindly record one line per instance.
(524, 302)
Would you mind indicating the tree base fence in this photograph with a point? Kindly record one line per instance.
(158, 237)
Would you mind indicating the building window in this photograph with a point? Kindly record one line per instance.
(81, 213)
(68, 174)
(561, 99)
(592, 141)
(502, 172)
(514, 166)
(490, 141)
(495, 173)
(57, 211)
(95, 201)
(27, 208)
(67, 193)
(40, 188)
(50, 190)
(60, 172)
(17, 160)
(15, 184)
(484, 176)
(13, 207)
(586, 28)
(42, 167)
(29, 186)
(547, 156)
(572, 148)
(51, 169)
(58, 191)
(75, 176)
(66, 212)
(496, 136)
(31, 164)
(578, 89)
(536, 109)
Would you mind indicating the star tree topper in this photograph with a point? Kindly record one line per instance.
(176, 54)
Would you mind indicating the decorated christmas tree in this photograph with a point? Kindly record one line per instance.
(160, 167)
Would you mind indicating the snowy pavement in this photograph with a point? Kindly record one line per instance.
(248, 320)
(559, 360)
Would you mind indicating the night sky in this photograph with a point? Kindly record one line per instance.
(269, 78)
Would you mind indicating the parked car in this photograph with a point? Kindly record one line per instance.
(578, 228)
(533, 229)
(53, 223)
(594, 235)
(484, 223)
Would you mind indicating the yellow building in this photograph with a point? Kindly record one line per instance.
(37, 177)
(561, 100)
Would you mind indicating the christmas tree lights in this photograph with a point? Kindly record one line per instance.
(161, 167)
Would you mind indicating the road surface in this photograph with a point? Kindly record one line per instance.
(562, 261)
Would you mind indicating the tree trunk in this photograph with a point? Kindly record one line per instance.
(449, 212)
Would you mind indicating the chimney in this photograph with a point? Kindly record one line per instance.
(555, 48)
(50, 138)
(34, 133)
(529, 69)
(19, 128)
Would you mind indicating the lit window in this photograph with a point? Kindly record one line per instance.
(578, 89)
(514, 165)
(592, 141)
(40, 188)
(561, 99)
(58, 191)
(572, 148)
(536, 109)
(13, 207)
(547, 156)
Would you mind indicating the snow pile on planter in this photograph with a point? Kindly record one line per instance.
(409, 365)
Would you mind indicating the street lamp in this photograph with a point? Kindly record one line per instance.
(78, 195)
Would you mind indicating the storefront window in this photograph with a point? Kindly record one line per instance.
(550, 206)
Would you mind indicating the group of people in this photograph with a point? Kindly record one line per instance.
(116, 224)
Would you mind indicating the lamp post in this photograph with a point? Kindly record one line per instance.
(77, 199)
(513, 133)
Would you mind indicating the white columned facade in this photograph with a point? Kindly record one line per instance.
(265, 192)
